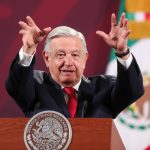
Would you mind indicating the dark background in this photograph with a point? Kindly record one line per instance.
(86, 16)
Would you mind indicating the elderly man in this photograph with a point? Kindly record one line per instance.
(64, 89)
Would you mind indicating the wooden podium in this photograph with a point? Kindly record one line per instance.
(88, 134)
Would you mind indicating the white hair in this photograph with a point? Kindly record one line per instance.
(64, 31)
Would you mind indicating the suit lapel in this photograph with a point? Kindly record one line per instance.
(59, 99)
(58, 96)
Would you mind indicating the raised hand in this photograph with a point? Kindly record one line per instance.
(118, 35)
(31, 34)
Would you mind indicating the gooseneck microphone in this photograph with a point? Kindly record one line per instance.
(84, 108)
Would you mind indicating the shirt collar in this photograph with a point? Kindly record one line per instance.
(76, 87)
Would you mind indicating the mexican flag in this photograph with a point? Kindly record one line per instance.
(133, 123)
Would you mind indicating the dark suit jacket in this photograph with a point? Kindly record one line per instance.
(99, 96)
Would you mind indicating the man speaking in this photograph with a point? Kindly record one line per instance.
(64, 89)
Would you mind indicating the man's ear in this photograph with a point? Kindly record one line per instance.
(86, 56)
(46, 58)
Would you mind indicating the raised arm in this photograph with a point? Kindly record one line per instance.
(20, 83)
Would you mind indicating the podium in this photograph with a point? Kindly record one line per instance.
(87, 134)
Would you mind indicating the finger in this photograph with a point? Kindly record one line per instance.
(30, 21)
(127, 33)
(113, 20)
(121, 19)
(102, 34)
(41, 34)
(22, 31)
(125, 23)
(46, 30)
(23, 25)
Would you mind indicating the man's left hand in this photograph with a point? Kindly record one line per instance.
(118, 35)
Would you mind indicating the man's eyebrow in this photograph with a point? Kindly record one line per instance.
(60, 50)
(63, 50)
(77, 50)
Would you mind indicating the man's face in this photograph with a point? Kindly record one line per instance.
(66, 60)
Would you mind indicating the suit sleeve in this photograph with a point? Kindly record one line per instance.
(128, 87)
(20, 84)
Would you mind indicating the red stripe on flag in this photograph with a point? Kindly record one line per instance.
(147, 16)
(148, 148)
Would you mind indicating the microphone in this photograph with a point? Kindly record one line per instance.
(36, 108)
(85, 104)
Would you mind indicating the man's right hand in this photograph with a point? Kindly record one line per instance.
(31, 35)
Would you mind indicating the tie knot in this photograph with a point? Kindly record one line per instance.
(70, 91)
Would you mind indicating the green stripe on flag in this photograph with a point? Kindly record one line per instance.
(131, 42)
(130, 16)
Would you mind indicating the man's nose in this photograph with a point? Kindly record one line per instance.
(68, 60)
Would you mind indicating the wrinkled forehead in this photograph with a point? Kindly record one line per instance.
(66, 44)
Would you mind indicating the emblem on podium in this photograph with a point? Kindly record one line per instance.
(48, 130)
